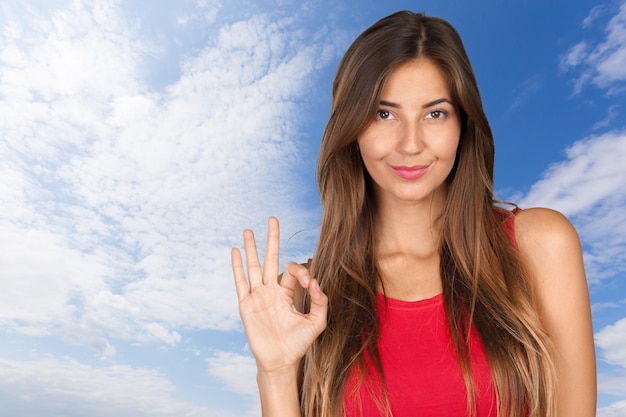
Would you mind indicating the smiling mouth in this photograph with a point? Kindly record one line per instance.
(410, 173)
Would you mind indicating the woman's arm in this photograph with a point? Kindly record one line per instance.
(278, 334)
(552, 257)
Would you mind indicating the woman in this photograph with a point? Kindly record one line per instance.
(423, 297)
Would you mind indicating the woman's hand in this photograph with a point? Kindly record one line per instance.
(279, 335)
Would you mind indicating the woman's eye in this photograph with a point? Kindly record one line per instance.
(384, 115)
(436, 114)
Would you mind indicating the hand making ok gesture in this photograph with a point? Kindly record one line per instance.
(279, 335)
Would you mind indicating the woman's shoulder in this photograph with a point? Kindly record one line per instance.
(549, 248)
(541, 228)
(551, 256)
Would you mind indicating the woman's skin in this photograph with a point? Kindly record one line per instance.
(408, 150)
(278, 333)
(552, 257)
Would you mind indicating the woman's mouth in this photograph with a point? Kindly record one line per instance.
(410, 173)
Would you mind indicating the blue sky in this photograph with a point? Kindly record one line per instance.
(139, 138)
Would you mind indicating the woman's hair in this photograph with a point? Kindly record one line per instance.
(483, 282)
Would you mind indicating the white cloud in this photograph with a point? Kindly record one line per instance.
(612, 340)
(41, 275)
(589, 186)
(210, 8)
(575, 56)
(617, 409)
(50, 386)
(593, 15)
(592, 172)
(527, 89)
(602, 63)
(610, 117)
(613, 384)
(237, 372)
(605, 305)
(122, 202)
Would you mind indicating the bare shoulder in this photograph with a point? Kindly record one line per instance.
(551, 255)
(544, 228)
(550, 250)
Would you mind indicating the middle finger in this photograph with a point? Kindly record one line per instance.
(255, 275)
(270, 262)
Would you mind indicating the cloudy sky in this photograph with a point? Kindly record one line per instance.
(139, 138)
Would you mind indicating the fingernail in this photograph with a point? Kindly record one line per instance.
(306, 279)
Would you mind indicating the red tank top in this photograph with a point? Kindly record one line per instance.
(421, 366)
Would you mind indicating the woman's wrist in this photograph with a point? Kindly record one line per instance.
(279, 392)
(285, 376)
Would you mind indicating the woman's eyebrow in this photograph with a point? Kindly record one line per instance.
(425, 106)
(435, 102)
(389, 104)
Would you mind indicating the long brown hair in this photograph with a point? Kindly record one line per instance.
(483, 283)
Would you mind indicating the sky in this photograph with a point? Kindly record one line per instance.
(139, 138)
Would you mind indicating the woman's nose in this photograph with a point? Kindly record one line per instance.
(411, 141)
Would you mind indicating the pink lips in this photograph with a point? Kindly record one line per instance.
(410, 173)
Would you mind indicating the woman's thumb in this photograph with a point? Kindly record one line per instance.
(319, 304)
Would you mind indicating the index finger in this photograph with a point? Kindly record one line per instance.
(270, 261)
(293, 273)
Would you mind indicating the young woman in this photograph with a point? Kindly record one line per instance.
(423, 297)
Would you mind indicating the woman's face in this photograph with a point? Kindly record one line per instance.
(410, 146)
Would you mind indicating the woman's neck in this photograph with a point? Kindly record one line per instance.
(408, 227)
(406, 248)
